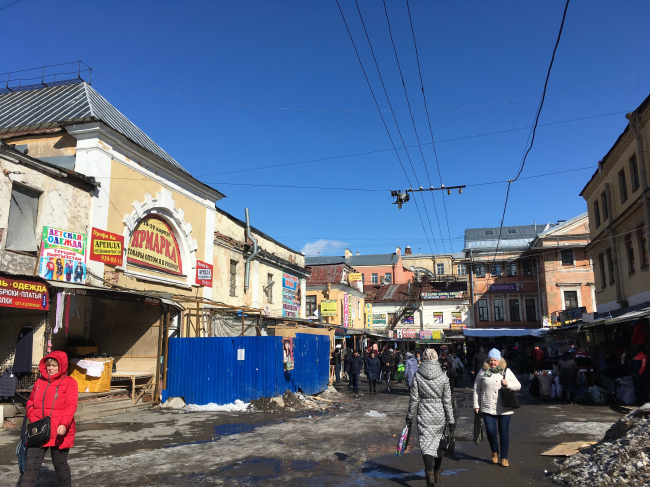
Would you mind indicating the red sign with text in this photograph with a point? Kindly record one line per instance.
(203, 274)
(106, 247)
(24, 294)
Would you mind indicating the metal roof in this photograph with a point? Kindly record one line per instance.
(355, 260)
(515, 237)
(70, 103)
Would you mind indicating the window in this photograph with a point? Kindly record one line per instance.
(603, 200)
(483, 310)
(479, 270)
(489, 232)
(269, 288)
(511, 269)
(531, 313)
(440, 268)
(630, 253)
(512, 230)
(363, 278)
(643, 246)
(310, 305)
(634, 173)
(461, 270)
(622, 185)
(514, 310)
(610, 264)
(566, 256)
(596, 213)
(527, 268)
(233, 277)
(499, 312)
(570, 299)
(388, 278)
(495, 269)
(374, 278)
(21, 231)
(603, 276)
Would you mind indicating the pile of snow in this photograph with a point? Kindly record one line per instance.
(237, 406)
(375, 414)
(622, 457)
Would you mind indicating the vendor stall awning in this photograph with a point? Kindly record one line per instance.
(631, 316)
(503, 332)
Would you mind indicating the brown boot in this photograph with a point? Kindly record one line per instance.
(504, 462)
(495, 457)
(430, 478)
(438, 475)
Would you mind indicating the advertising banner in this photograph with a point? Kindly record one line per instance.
(203, 273)
(291, 296)
(444, 295)
(437, 318)
(408, 317)
(391, 334)
(23, 294)
(517, 286)
(426, 335)
(354, 276)
(287, 353)
(456, 318)
(63, 256)
(410, 333)
(346, 310)
(369, 315)
(153, 245)
(379, 319)
(436, 335)
(106, 247)
(328, 308)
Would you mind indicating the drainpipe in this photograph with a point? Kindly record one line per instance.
(612, 244)
(640, 157)
(247, 267)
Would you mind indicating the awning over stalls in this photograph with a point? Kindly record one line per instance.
(627, 317)
(504, 332)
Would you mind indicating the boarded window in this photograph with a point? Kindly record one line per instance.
(21, 234)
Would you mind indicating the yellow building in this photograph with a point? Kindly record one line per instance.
(440, 267)
(619, 217)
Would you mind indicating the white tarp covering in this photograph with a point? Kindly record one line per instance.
(503, 332)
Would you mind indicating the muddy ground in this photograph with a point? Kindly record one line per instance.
(340, 447)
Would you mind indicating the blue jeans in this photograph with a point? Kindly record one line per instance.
(503, 424)
(355, 381)
(337, 371)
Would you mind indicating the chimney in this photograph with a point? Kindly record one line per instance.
(358, 253)
(407, 250)
(348, 253)
(398, 251)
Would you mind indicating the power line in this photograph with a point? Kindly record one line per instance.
(417, 137)
(7, 6)
(534, 128)
(382, 116)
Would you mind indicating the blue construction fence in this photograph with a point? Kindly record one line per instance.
(221, 370)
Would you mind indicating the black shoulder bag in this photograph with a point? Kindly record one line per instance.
(39, 432)
(510, 399)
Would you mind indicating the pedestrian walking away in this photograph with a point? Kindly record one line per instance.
(478, 361)
(458, 364)
(447, 364)
(488, 400)
(640, 373)
(410, 368)
(55, 395)
(386, 366)
(373, 371)
(337, 363)
(356, 365)
(430, 402)
(568, 372)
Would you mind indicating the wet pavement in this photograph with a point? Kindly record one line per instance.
(340, 447)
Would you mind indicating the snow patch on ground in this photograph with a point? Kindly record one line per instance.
(237, 406)
(587, 428)
(375, 414)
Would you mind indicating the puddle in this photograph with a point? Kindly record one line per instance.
(454, 471)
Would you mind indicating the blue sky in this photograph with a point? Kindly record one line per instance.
(483, 66)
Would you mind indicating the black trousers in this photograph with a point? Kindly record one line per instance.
(432, 463)
(35, 456)
(373, 385)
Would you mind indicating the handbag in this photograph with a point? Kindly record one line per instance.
(510, 399)
(403, 440)
(448, 440)
(39, 432)
(478, 428)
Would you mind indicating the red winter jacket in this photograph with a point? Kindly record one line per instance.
(65, 405)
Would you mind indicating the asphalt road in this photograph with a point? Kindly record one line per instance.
(341, 447)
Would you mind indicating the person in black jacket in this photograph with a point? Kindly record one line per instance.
(356, 364)
(337, 363)
(373, 371)
(346, 366)
(477, 364)
(448, 367)
(386, 366)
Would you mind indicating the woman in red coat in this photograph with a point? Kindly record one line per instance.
(54, 394)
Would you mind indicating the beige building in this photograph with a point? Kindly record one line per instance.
(440, 267)
(619, 217)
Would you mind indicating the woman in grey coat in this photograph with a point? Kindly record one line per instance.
(431, 401)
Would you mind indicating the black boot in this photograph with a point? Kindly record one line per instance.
(438, 475)
(430, 478)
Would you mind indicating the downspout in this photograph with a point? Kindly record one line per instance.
(612, 244)
(643, 175)
(247, 266)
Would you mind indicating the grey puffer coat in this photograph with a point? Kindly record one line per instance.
(431, 401)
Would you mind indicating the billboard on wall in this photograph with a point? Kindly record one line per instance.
(379, 319)
(63, 256)
(354, 276)
(516, 286)
(291, 296)
(153, 245)
(328, 307)
(438, 318)
(444, 295)
(23, 294)
(106, 247)
(457, 321)
(408, 317)
(369, 315)
(203, 273)
(346, 310)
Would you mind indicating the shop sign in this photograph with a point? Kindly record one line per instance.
(391, 334)
(328, 308)
(153, 245)
(63, 256)
(444, 295)
(339, 332)
(455, 326)
(410, 333)
(436, 335)
(287, 353)
(517, 286)
(23, 294)
(379, 319)
(346, 310)
(152, 301)
(408, 317)
(426, 335)
(106, 247)
(291, 296)
(369, 315)
(438, 318)
(354, 276)
(203, 273)
(456, 318)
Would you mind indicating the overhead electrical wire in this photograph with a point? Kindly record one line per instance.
(417, 137)
(382, 118)
(534, 127)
